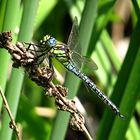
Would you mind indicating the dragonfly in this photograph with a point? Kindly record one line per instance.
(67, 56)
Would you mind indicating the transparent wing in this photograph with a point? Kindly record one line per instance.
(76, 58)
(74, 44)
(83, 60)
(88, 62)
(73, 41)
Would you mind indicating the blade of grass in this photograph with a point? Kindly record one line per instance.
(106, 41)
(15, 83)
(133, 132)
(103, 62)
(113, 59)
(100, 24)
(136, 5)
(121, 83)
(9, 24)
(138, 107)
(76, 9)
(2, 12)
(131, 96)
(43, 12)
(72, 82)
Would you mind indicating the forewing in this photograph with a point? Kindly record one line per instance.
(73, 41)
(74, 44)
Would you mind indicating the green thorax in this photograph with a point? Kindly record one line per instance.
(56, 49)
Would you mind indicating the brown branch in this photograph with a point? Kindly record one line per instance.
(42, 75)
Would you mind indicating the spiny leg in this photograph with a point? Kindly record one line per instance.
(32, 44)
(51, 67)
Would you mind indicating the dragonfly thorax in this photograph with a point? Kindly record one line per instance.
(49, 41)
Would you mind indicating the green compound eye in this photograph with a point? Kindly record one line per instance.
(51, 41)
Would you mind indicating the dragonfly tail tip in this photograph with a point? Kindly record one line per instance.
(122, 116)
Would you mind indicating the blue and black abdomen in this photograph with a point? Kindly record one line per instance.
(94, 88)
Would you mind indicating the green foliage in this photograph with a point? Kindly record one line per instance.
(120, 80)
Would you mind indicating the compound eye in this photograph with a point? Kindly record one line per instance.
(51, 41)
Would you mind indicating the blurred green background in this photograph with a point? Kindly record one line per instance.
(109, 33)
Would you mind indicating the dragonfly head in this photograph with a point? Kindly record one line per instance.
(49, 41)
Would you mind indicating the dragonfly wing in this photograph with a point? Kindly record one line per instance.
(85, 61)
(74, 44)
(88, 62)
(76, 58)
(73, 41)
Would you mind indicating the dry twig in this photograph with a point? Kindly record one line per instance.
(12, 123)
(28, 59)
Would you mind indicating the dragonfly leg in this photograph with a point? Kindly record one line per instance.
(39, 60)
(29, 45)
(51, 67)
